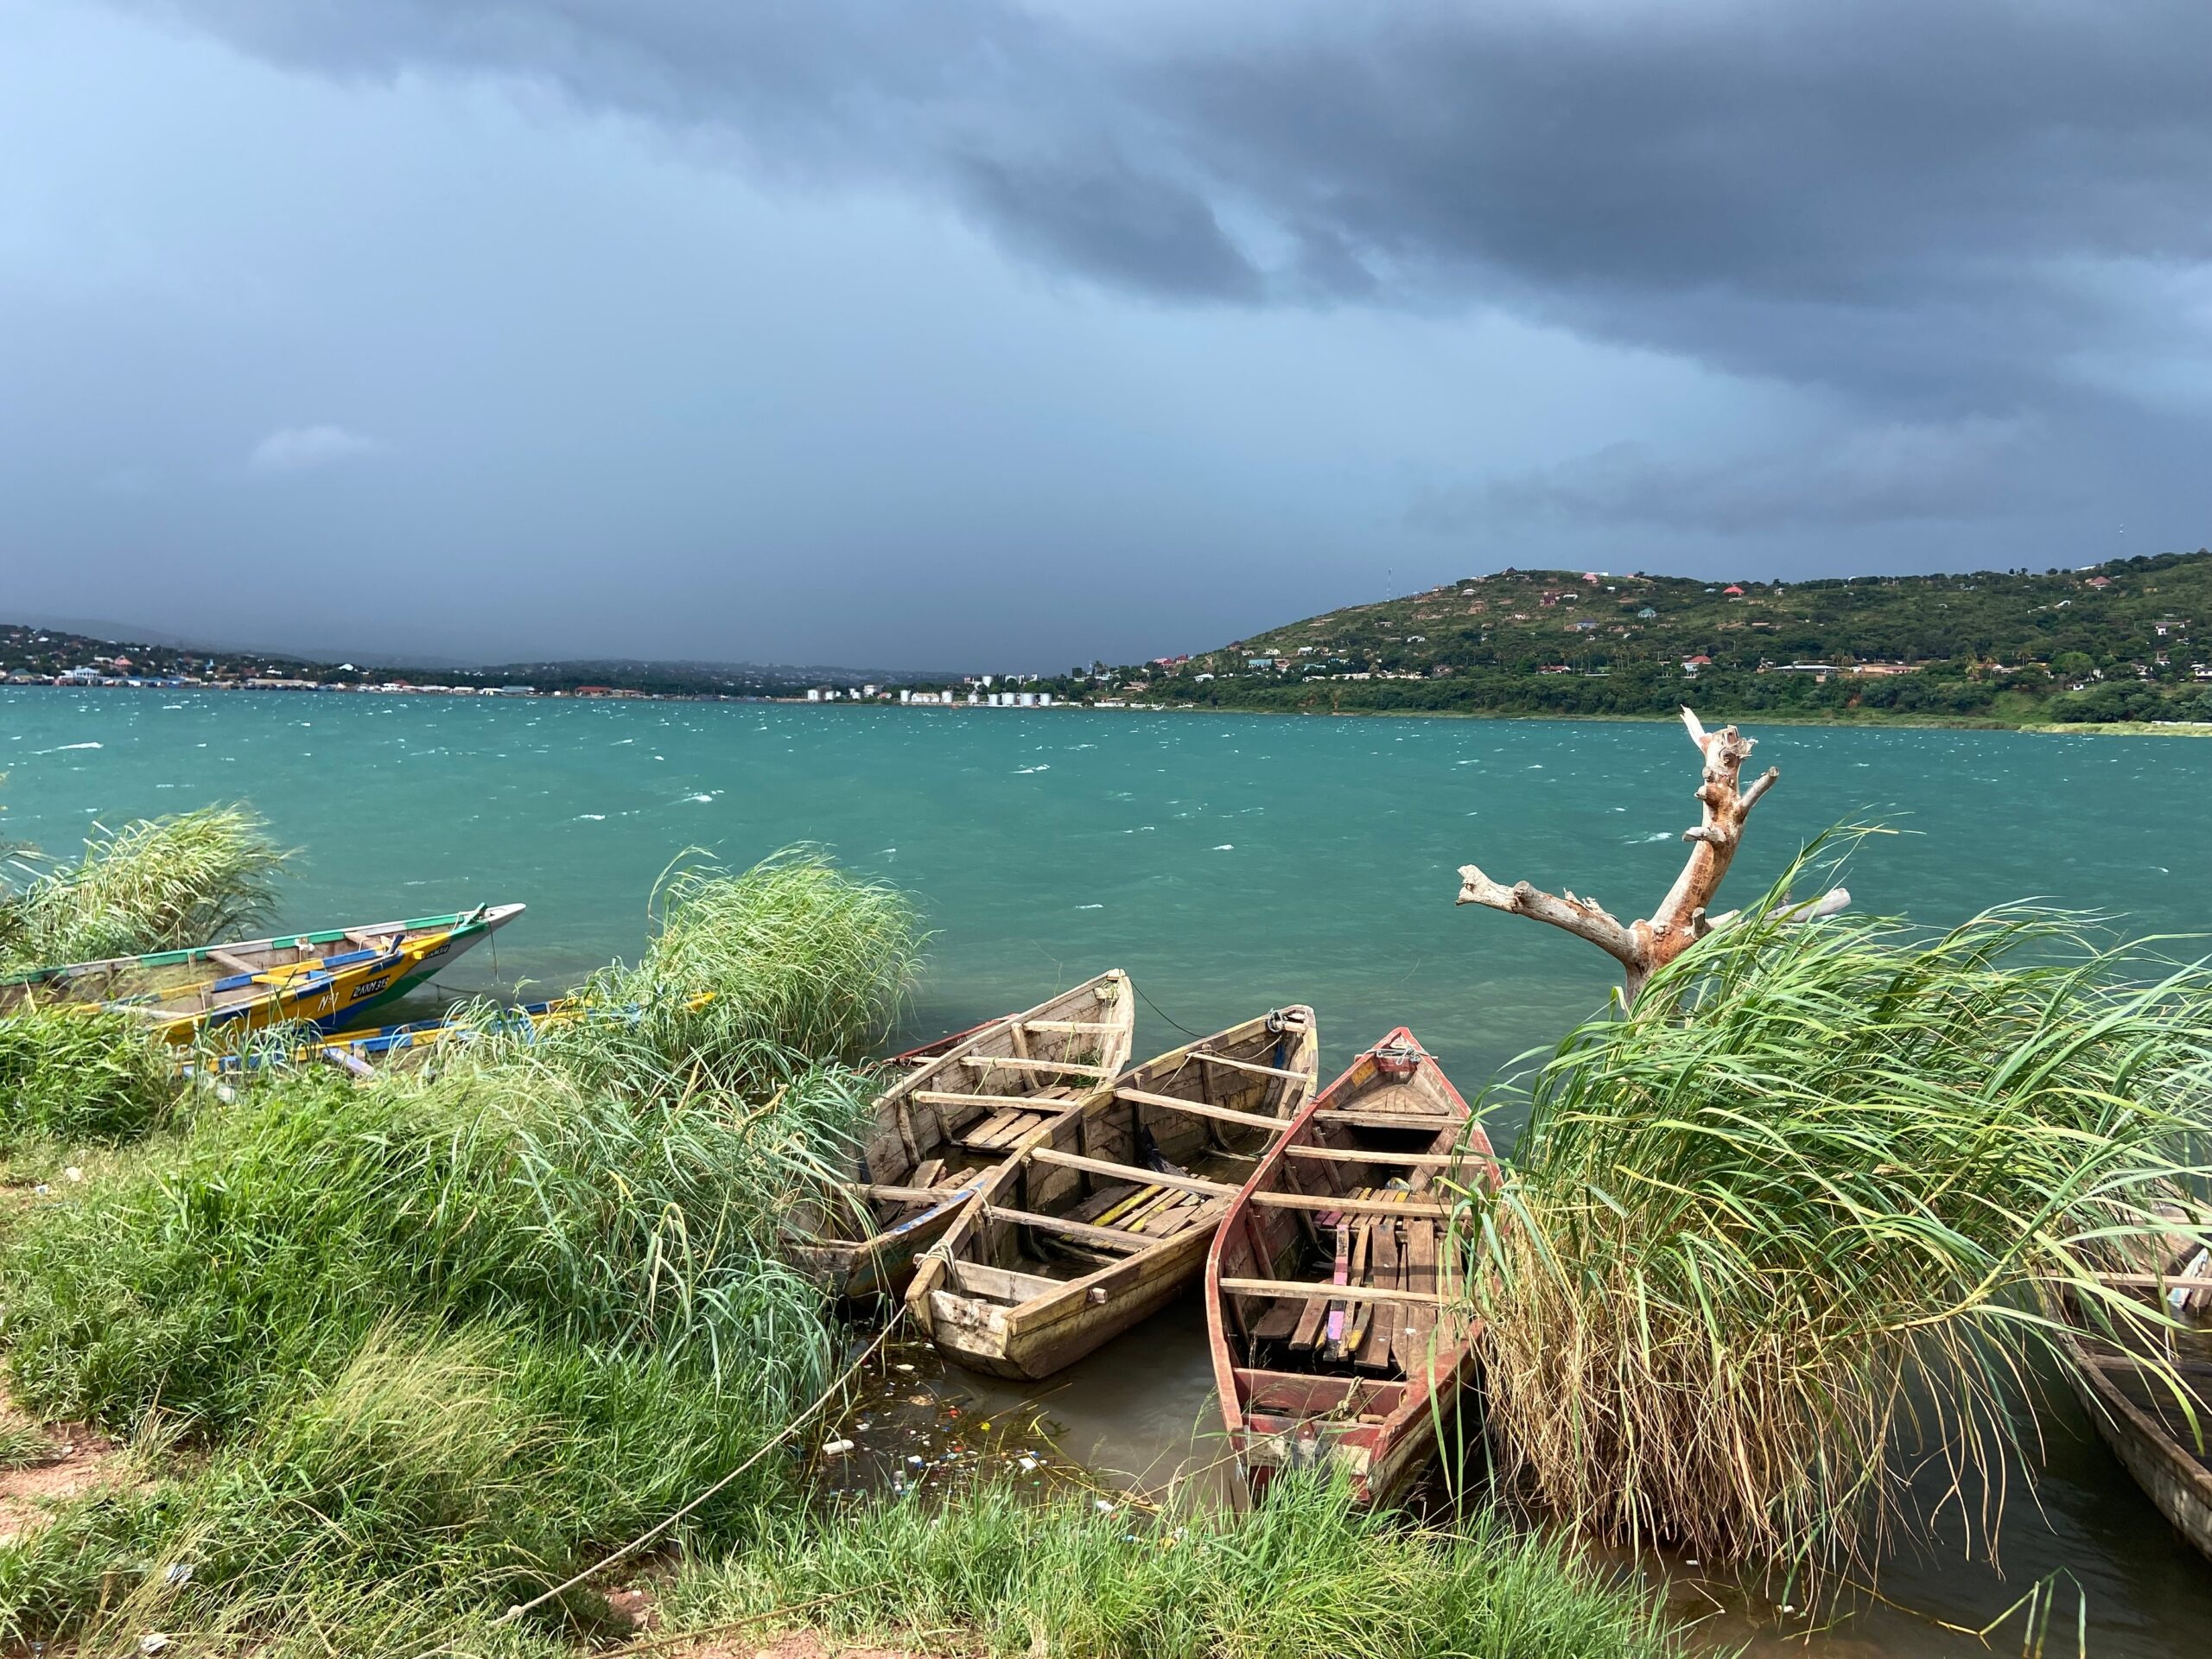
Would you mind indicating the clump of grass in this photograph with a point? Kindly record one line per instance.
(289, 1224)
(793, 955)
(22, 1444)
(81, 1075)
(1802, 1203)
(1305, 1574)
(430, 1483)
(157, 883)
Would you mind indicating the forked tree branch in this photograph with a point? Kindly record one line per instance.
(1643, 948)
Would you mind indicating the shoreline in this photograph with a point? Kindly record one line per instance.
(2046, 728)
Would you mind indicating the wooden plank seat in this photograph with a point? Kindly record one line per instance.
(1368, 1117)
(1252, 1066)
(1396, 1159)
(1327, 1203)
(1200, 1108)
(1024, 1063)
(1324, 1293)
(1130, 1173)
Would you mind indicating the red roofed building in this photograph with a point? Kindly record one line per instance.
(1732, 591)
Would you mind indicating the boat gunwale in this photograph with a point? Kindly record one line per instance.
(489, 917)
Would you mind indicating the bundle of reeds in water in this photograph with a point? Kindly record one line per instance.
(1800, 1207)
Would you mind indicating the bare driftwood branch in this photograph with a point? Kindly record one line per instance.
(1681, 918)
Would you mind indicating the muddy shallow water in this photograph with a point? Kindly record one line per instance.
(1138, 1419)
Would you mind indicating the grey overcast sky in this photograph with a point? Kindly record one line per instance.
(997, 333)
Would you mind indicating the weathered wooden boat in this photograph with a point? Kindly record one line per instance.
(1331, 1290)
(330, 979)
(942, 1125)
(1100, 1218)
(2132, 1400)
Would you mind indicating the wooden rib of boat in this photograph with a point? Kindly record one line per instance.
(2133, 1406)
(943, 1124)
(1331, 1288)
(1099, 1218)
(922, 1053)
(330, 979)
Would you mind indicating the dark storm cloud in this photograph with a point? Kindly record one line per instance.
(1883, 475)
(1924, 204)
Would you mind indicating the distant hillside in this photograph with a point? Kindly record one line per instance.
(30, 651)
(2131, 640)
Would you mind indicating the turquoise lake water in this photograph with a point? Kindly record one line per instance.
(1229, 863)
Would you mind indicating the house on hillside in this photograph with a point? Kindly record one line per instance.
(1731, 591)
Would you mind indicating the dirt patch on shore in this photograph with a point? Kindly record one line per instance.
(803, 1644)
(48, 1463)
(75, 1458)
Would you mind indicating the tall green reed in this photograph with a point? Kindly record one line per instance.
(1801, 1209)
(156, 884)
(791, 957)
(81, 1075)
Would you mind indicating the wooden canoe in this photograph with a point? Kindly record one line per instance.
(1360, 1355)
(942, 1125)
(330, 979)
(1102, 1215)
(2133, 1406)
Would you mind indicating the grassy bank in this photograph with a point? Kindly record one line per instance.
(155, 885)
(417, 1348)
(1306, 1575)
(391, 1357)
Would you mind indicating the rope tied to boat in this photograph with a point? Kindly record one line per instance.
(660, 1527)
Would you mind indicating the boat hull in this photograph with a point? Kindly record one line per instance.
(1304, 1378)
(228, 991)
(861, 1247)
(1040, 1339)
(1381, 1462)
(1005, 1292)
(2178, 1486)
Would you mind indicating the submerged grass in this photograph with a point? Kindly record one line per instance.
(157, 883)
(1799, 1208)
(1305, 1574)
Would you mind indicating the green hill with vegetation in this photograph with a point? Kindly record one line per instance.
(2127, 640)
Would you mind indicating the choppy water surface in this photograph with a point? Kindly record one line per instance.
(1231, 864)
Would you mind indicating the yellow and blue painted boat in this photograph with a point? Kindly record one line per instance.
(331, 979)
(362, 1052)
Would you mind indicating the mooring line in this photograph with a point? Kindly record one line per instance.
(1164, 1014)
(661, 1527)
